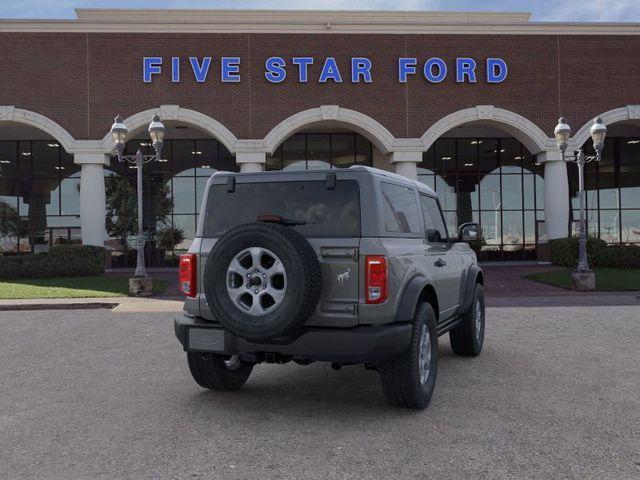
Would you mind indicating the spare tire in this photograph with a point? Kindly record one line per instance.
(262, 280)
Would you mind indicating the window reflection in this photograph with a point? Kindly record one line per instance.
(39, 196)
(493, 181)
(173, 190)
(321, 151)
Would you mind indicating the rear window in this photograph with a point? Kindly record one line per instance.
(326, 213)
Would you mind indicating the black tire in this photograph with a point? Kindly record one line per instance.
(303, 281)
(211, 371)
(467, 339)
(401, 382)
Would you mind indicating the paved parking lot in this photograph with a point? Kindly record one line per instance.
(95, 394)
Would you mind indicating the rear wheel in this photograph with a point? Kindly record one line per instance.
(408, 380)
(218, 372)
(468, 337)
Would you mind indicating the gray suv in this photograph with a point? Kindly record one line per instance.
(349, 266)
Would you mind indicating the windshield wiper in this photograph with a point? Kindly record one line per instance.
(289, 222)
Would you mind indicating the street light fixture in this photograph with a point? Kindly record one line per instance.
(119, 133)
(598, 133)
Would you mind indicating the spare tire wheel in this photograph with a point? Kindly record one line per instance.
(262, 280)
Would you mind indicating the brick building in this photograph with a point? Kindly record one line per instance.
(465, 102)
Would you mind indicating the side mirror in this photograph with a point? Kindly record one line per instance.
(469, 232)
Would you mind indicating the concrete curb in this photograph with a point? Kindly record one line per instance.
(57, 306)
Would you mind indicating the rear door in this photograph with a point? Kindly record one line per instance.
(445, 264)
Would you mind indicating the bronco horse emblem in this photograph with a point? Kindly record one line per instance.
(344, 276)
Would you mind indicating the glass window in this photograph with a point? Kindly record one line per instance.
(184, 195)
(512, 228)
(630, 226)
(294, 153)
(400, 207)
(467, 155)
(511, 192)
(511, 155)
(490, 198)
(45, 157)
(435, 229)
(445, 156)
(274, 162)
(343, 146)
(184, 152)
(70, 196)
(8, 159)
(319, 212)
(187, 223)
(363, 151)
(487, 155)
(610, 226)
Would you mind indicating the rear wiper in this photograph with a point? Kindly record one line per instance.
(289, 222)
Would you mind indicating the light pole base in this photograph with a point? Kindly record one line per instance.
(141, 286)
(583, 281)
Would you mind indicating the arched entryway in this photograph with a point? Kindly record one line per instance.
(173, 190)
(39, 184)
(483, 174)
(612, 186)
(328, 137)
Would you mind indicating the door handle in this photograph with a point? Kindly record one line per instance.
(440, 263)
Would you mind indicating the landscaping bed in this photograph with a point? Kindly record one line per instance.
(607, 279)
(71, 287)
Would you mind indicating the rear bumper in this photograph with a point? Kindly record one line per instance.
(362, 344)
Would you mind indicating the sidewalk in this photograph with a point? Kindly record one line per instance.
(117, 304)
(505, 286)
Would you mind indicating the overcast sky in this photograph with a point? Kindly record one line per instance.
(543, 10)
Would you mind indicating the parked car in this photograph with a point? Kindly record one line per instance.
(350, 266)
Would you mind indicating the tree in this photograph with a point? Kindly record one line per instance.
(122, 209)
(9, 221)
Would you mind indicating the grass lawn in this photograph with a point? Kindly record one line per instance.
(607, 279)
(72, 287)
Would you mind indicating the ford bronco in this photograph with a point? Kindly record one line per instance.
(349, 266)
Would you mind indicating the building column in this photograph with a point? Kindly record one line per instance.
(406, 163)
(556, 194)
(251, 161)
(93, 203)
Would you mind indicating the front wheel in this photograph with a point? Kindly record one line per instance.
(408, 380)
(468, 337)
(218, 372)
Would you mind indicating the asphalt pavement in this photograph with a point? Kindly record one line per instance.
(100, 394)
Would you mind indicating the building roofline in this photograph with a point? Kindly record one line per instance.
(311, 21)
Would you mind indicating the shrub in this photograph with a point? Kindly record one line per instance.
(61, 261)
(618, 256)
(564, 251)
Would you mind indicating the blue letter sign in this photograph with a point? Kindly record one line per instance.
(200, 71)
(434, 69)
(496, 70)
(275, 69)
(330, 71)
(151, 66)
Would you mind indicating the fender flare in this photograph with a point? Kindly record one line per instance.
(409, 301)
(472, 277)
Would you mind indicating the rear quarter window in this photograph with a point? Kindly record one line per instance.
(325, 213)
(400, 209)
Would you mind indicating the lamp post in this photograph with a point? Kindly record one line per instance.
(156, 132)
(562, 133)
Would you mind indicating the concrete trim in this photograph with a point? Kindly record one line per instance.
(177, 113)
(531, 136)
(628, 112)
(377, 133)
(10, 113)
(308, 21)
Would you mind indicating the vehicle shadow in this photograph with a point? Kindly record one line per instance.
(319, 390)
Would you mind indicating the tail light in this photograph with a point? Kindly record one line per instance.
(375, 278)
(188, 275)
